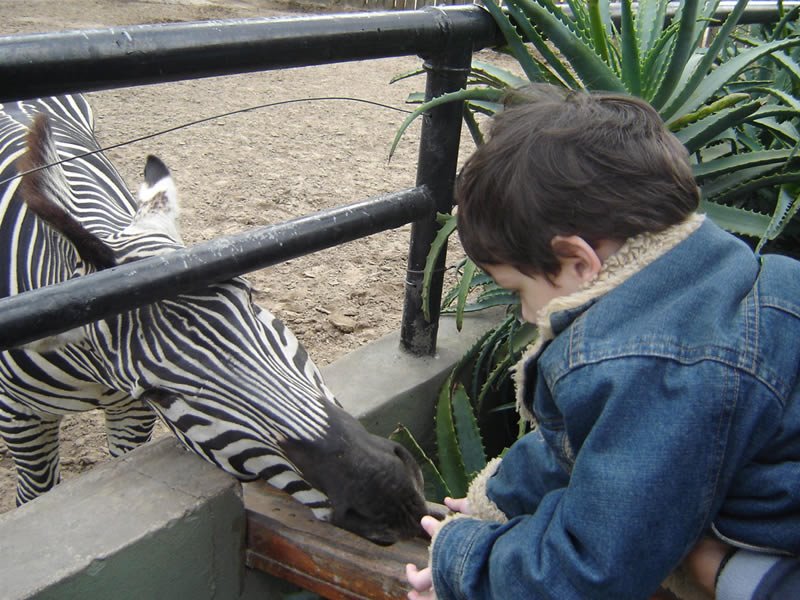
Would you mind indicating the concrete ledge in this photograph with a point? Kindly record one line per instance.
(382, 385)
(157, 523)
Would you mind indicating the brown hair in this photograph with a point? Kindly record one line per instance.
(600, 166)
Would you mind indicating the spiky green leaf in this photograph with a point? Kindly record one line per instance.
(694, 77)
(480, 305)
(770, 159)
(523, 337)
(407, 75)
(722, 186)
(435, 488)
(516, 45)
(709, 109)
(590, 68)
(782, 25)
(789, 65)
(451, 465)
(736, 220)
(469, 436)
(751, 184)
(490, 94)
(501, 77)
(655, 62)
(650, 18)
(785, 209)
(784, 131)
(472, 355)
(464, 287)
(500, 373)
(558, 72)
(784, 97)
(684, 46)
(599, 35)
(717, 78)
(483, 361)
(629, 48)
(701, 132)
(499, 293)
(447, 225)
(471, 122)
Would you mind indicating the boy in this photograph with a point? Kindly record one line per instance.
(664, 383)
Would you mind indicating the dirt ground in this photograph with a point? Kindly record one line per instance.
(252, 169)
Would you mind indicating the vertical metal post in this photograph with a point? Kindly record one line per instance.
(436, 169)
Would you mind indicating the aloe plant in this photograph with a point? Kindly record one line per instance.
(469, 408)
(698, 91)
(733, 105)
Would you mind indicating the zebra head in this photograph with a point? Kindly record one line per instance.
(227, 377)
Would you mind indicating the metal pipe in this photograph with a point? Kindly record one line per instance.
(69, 61)
(436, 169)
(47, 311)
(757, 11)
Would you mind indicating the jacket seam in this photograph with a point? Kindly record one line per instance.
(723, 433)
(737, 366)
(769, 302)
(463, 561)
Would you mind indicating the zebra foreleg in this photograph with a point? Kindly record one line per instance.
(128, 426)
(32, 439)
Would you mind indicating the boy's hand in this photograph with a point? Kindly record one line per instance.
(422, 583)
(704, 561)
(422, 580)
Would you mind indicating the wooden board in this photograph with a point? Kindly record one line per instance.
(285, 540)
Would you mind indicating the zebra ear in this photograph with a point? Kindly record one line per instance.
(158, 202)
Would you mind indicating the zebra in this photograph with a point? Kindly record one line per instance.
(226, 376)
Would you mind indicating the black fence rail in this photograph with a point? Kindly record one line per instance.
(28, 316)
(403, 4)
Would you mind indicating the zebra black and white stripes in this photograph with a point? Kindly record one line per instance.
(225, 375)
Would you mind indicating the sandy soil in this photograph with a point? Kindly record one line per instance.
(253, 169)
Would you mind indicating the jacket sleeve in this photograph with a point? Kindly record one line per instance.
(533, 456)
(645, 482)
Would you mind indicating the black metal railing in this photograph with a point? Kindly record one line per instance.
(56, 308)
(74, 61)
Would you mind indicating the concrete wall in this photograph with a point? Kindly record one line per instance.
(382, 386)
(160, 523)
(157, 523)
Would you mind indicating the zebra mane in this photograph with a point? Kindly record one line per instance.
(43, 189)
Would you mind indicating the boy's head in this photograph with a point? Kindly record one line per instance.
(561, 164)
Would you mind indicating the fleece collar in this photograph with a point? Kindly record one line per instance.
(634, 255)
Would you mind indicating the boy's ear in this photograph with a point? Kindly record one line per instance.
(579, 261)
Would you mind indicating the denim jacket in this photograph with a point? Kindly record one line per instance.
(667, 404)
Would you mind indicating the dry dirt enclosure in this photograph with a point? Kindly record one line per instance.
(252, 169)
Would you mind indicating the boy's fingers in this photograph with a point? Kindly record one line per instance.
(457, 504)
(422, 580)
(430, 525)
